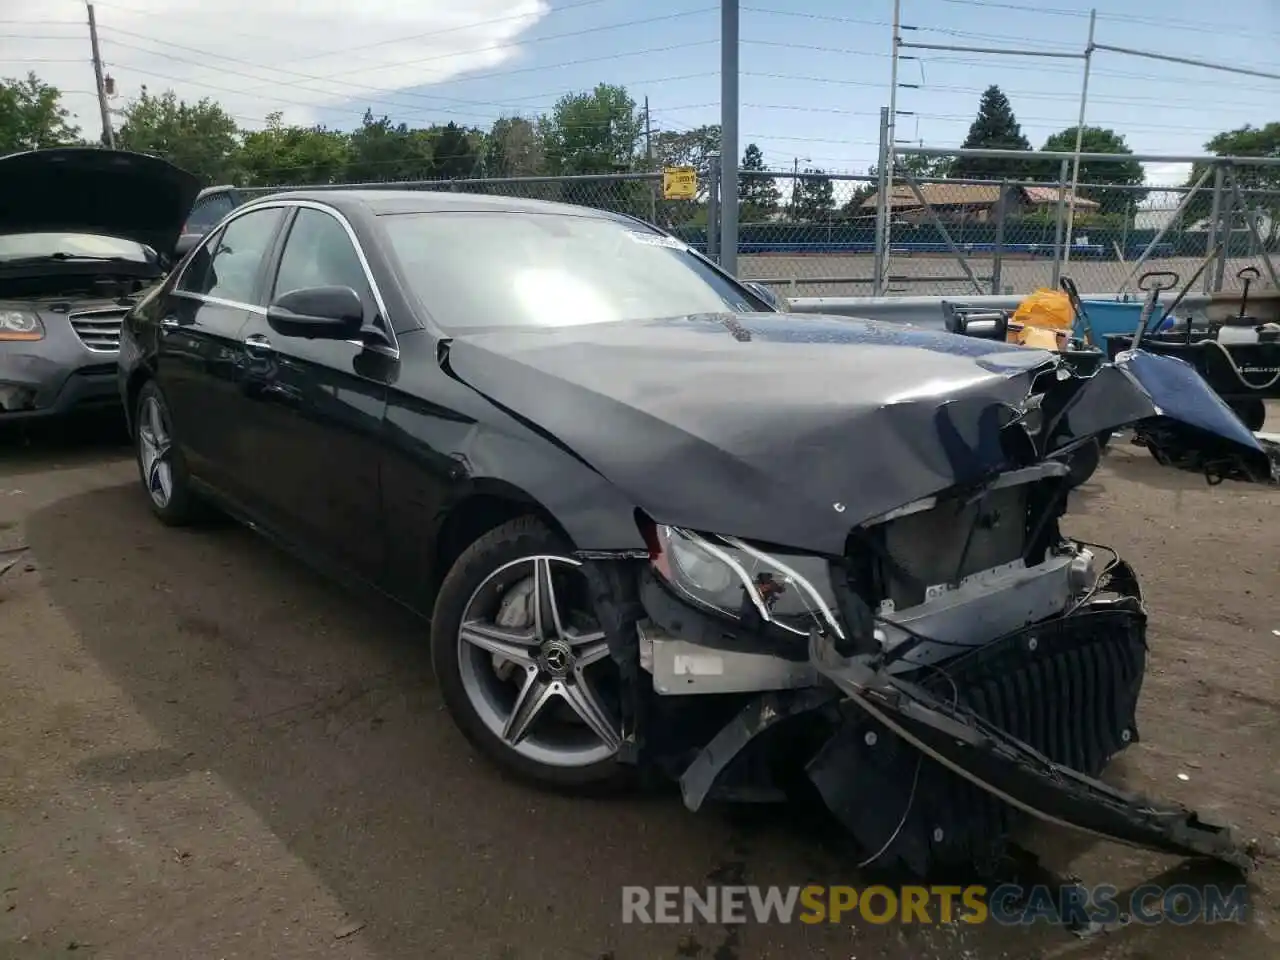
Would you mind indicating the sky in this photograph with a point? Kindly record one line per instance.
(814, 73)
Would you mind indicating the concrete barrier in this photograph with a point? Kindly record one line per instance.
(927, 311)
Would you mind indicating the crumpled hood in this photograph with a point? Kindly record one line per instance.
(89, 190)
(782, 428)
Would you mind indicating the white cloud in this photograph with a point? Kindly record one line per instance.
(1167, 174)
(256, 57)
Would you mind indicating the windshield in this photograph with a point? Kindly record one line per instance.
(486, 269)
(17, 246)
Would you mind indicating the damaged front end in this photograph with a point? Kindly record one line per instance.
(963, 665)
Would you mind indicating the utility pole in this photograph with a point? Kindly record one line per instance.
(729, 136)
(1075, 167)
(108, 135)
(648, 157)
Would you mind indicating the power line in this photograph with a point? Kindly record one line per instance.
(328, 78)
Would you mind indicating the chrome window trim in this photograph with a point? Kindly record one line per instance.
(253, 206)
(220, 302)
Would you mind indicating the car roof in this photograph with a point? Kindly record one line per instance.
(380, 202)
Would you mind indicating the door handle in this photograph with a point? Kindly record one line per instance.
(258, 346)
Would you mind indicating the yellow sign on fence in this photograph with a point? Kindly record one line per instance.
(680, 183)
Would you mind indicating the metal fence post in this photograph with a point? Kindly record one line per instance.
(729, 135)
(1213, 279)
(713, 207)
(1259, 246)
(1061, 224)
(882, 206)
(997, 257)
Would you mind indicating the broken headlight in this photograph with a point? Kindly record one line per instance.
(20, 325)
(734, 579)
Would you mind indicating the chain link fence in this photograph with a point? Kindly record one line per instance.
(967, 231)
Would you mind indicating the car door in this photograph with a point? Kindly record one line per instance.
(320, 405)
(199, 364)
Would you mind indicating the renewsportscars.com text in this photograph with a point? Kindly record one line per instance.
(1008, 905)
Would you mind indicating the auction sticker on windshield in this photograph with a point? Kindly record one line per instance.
(657, 240)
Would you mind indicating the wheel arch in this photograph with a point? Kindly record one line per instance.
(486, 506)
(138, 378)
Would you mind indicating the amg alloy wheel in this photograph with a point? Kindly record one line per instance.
(523, 663)
(154, 451)
(160, 464)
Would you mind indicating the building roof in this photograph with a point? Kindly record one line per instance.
(966, 195)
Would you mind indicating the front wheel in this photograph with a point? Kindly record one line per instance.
(160, 464)
(523, 663)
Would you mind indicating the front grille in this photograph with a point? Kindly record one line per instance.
(99, 329)
(1071, 695)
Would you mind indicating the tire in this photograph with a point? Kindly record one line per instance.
(1084, 463)
(173, 502)
(471, 585)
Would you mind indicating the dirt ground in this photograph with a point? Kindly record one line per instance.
(208, 752)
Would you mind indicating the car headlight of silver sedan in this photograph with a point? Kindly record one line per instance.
(734, 579)
(20, 325)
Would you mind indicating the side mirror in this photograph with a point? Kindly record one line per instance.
(318, 313)
(186, 243)
(766, 294)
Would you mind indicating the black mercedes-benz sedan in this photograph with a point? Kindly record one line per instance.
(656, 525)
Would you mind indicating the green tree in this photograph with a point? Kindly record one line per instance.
(1121, 172)
(278, 155)
(513, 149)
(995, 128)
(1246, 141)
(595, 132)
(758, 195)
(32, 116)
(457, 151)
(381, 150)
(688, 148)
(813, 198)
(200, 137)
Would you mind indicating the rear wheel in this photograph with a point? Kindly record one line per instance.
(523, 663)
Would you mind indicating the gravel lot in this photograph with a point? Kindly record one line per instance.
(1022, 276)
(208, 752)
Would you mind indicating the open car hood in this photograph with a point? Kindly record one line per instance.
(89, 190)
(792, 429)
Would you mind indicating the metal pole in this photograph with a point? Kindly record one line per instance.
(998, 50)
(882, 205)
(997, 261)
(1026, 155)
(1059, 222)
(1251, 223)
(713, 208)
(1189, 62)
(108, 135)
(1075, 167)
(729, 136)
(648, 156)
(886, 173)
(1225, 223)
(1177, 215)
(1212, 242)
